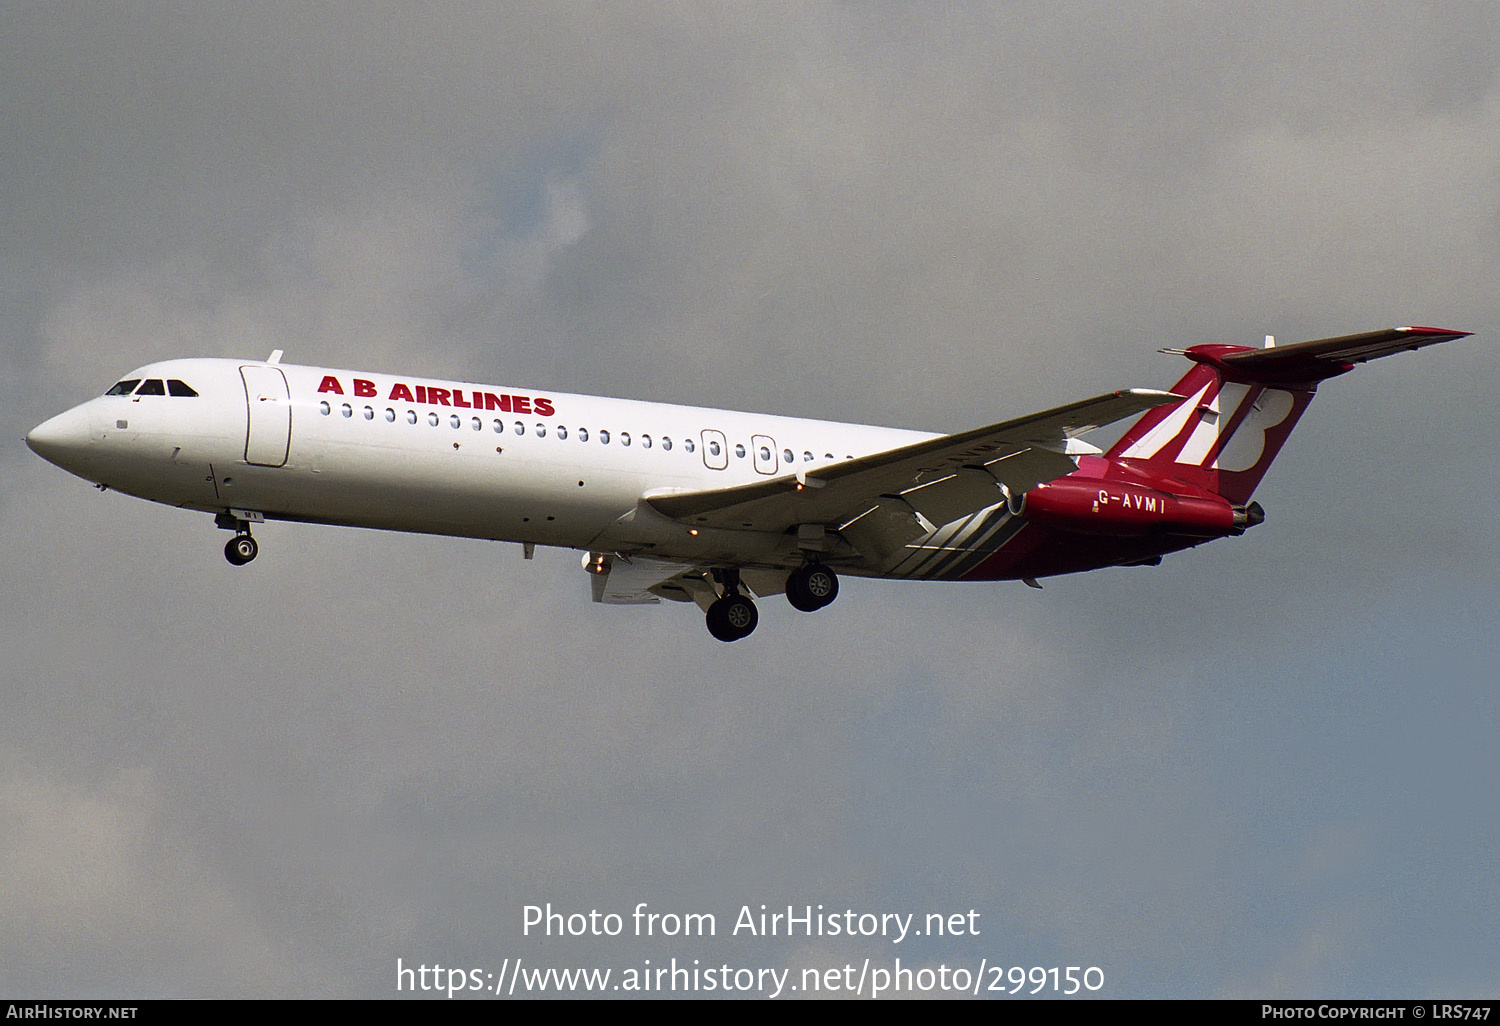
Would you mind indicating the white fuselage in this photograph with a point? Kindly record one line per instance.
(405, 453)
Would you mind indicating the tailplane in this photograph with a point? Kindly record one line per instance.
(1240, 404)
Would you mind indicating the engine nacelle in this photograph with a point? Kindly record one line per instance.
(1094, 506)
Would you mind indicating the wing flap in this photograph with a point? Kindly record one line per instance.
(884, 528)
(962, 492)
(618, 581)
(1023, 470)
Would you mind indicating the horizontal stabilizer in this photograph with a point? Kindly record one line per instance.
(1326, 357)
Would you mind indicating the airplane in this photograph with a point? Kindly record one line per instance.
(713, 507)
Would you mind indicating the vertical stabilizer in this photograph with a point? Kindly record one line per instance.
(1222, 437)
(1240, 404)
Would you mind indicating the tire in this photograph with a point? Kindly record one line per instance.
(241, 549)
(732, 617)
(811, 587)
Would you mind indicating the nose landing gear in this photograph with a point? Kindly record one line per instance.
(242, 548)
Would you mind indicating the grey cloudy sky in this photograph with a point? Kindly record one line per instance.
(1265, 768)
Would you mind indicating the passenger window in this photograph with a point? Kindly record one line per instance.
(786, 455)
(454, 421)
(152, 386)
(666, 443)
(562, 432)
(739, 450)
(432, 418)
(478, 424)
(324, 408)
(348, 410)
(687, 443)
(390, 415)
(604, 438)
(499, 427)
(713, 449)
(583, 434)
(124, 387)
(807, 457)
(411, 416)
(625, 438)
(369, 413)
(765, 453)
(520, 428)
(179, 388)
(541, 430)
(645, 441)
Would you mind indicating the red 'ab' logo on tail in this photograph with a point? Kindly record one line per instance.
(1221, 438)
(1243, 449)
(1235, 440)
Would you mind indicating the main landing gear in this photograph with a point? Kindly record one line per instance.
(811, 587)
(242, 548)
(733, 616)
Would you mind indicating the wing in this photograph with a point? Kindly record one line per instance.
(881, 501)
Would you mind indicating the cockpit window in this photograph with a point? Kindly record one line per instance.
(152, 386)
(175, 387)
(124, 387)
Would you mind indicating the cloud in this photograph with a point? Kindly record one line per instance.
(104, 891)
(277, 780)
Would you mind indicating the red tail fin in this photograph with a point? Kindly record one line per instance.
(1240, 404)
(1222, 437)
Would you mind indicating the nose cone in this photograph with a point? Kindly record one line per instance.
(63, 440)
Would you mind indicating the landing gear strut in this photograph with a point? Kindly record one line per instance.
(733, 616)
(242, 548)
(811, 587)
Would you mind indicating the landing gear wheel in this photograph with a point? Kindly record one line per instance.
(241, 549)
(811, 587)
(732, 617)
